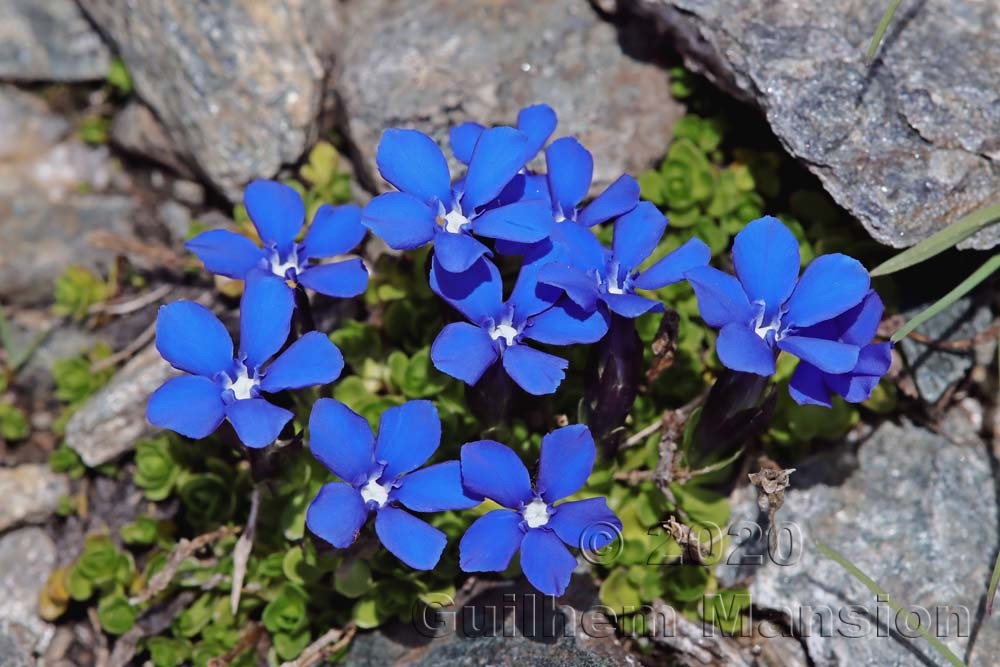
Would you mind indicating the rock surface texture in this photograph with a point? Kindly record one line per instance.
(236, 83)
(442, 62)
(27, 557)
(49, 41)
(896, 516)
(907, 145)
(31, 494)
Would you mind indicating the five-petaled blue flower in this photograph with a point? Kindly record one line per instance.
(221, 387)
(379, 477)
(532, 522)
(770, 307)
(428, 207)
(592, 274)
(498, 329)
(277, 211)
(857, 326)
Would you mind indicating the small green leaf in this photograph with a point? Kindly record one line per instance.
(156, 471)
(353, 578)
(118, 76)
(168, 652)
(142, 531)
(65, 460)
(619, 593)
(115, 614)
(287, 612)
(883, 25)
(13, 423)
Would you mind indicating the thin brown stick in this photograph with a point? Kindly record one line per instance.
(247, 640)
(329, 643)
(241, 553)
(153, 254)
(132, 305)
(184, 550)
(127, 352)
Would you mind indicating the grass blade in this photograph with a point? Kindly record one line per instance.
(982, 273)
(941, 241)
(883, 25)
(874, 588)
(991, 592)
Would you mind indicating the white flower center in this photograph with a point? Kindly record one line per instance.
(505, 331)
(374, 491)
(280, 267)
(242, 385)
(762, 329)
(536, 513)
(454, 221)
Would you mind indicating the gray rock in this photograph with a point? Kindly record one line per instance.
(26, 123)
(136, 129)
(442, 62)
(935, 369)
(31, 494)
(236, 83)
(49, 41)
(110, 422)
(907, 145)
(918, 515)
(27, 557)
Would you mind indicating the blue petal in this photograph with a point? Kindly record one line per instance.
(807, 386)
(456, 253)
(538, 122)
(492, 470)
(463, 351)
(766, 256)
(192, 339)
(226, 253)
(827, 355)
(580, 247)
(588, 525)
(401, 220)
(535, 372)
(500, 153)
(490, 542)
(265, 317)
(311, 360)
(861, 322)
(276, 210)
(618, 198)
(546, 562)
(570, 169)
(408, 435)
(343, 280)
(637, 233)
(333, 231)
(257, 422)
(721, 299)
(463, 140)
(857, 386)
(412, 162)
(830, 285)
(476, 293)
(671, 268)
(190, 405)
(632, 305)
(436, 488)
(566, 323)
(411, 540)
(579, 286)
(741, 349)
(337, 514)
(342, 440)
(567, 457)
(529, 296)
(527, 221)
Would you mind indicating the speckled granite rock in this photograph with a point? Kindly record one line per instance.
(27, 557)
(110, 422)
(918, 514)
(31, 494)
(907, 145)
(237, 83)
(49, 41)
(442, 62)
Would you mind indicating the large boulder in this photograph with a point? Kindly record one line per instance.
(236, 83)
(906, 145)
(430, 65)
(49, 41)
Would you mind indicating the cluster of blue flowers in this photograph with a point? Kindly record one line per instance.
(568, 289)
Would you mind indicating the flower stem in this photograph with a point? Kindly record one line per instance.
(303, 310)
(491, 398)
(613, 382)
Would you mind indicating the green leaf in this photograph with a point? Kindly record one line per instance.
(947, 238)
(156, 471)
(883, 25)
(287, 612)
(619, 593)
(168, 652)
(13, 423)
(353, 578)
(116, 615)
(367, 614)
(991, 592)
(142, 531)
(988, 268)
(65, 460)
(79, 586)
(288, 646)
(118, 76)
(725, 609)
(870, 584)
(195, 618)
(99, 561)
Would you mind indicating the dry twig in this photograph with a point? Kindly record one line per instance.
(184, 550)
(138, 343)
(241, 553)
(132, 305)
(771, 482)
(247, 639)
(329, 643)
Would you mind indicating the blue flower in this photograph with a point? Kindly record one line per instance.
(277, 211)
(857, 326)
(591, 274)
(532, 522)
(569, 172)
(378, 476)
(428, 207)
(499, 329)
(769, 307)
(220, 386)
(537, 122)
